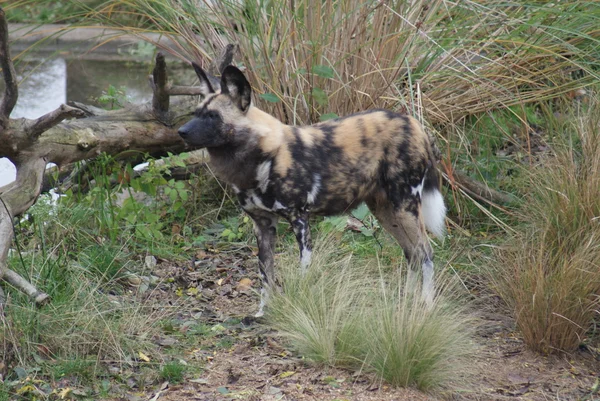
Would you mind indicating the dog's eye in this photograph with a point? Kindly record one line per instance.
(211, 115)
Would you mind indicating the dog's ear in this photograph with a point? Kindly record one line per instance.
(205, 86)
(235, 84)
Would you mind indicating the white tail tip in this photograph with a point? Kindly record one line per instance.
(434, 212)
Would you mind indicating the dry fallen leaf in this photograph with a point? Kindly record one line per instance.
(244, 284)
(144, 357)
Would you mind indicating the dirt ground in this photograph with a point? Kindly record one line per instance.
(254, 364)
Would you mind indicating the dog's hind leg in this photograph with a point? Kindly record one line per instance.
(265, 229)
(406, 225)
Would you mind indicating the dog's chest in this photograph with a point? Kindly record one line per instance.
(269, 192)
(254, 199)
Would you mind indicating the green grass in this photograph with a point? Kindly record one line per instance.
(79, 252)
(173, 372)
(81, 369)
(365, 317)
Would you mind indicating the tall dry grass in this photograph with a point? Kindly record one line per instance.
(550, 274)
(436, 59)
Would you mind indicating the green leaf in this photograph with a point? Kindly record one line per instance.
(361, 212)
(270, 97)
(322, 71)
(320, 96)
(328, 116)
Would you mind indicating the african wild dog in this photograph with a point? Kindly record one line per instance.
(378, 156)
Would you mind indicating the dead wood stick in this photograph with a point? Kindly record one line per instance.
(479, 189)
(49, 120)
(19, 282)
(16, 198)
(224, 59)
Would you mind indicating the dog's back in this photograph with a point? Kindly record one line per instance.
(332, 166)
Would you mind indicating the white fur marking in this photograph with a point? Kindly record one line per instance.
(434, 212)
(256, 201)
(305, 259)
(278, 206)
(262, 175)
(235, 189)
(264, 297)
(418, 189)
(428, 290)
(312, 195)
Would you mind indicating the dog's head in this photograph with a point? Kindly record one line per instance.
(221, 110)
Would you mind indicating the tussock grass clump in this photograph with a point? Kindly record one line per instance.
(364, 316)
(413, 344)
(550, 274)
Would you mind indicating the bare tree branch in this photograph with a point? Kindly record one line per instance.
(11, 93)
(15, 198)
(49, 120)
(185, 90)
(19, 282)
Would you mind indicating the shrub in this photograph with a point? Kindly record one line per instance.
(550, 274)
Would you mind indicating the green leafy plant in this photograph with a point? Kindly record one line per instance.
(113, 98)
(237, 228)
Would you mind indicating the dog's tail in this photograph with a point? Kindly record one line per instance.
(432, 201)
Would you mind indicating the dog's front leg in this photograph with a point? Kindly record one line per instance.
(302, 230)
(265, 229)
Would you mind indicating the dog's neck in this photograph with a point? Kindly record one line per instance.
(259, 140)
(236, 164)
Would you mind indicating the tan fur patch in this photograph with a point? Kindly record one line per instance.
(309, 135)
(420, 139)
(283, 159)
(270, 129)
(347, 136)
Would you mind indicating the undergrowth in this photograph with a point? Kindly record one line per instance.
(355, 313)
(550, 273)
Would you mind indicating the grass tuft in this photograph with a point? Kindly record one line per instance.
(365, 317)
(173, 372)
(550, 274)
